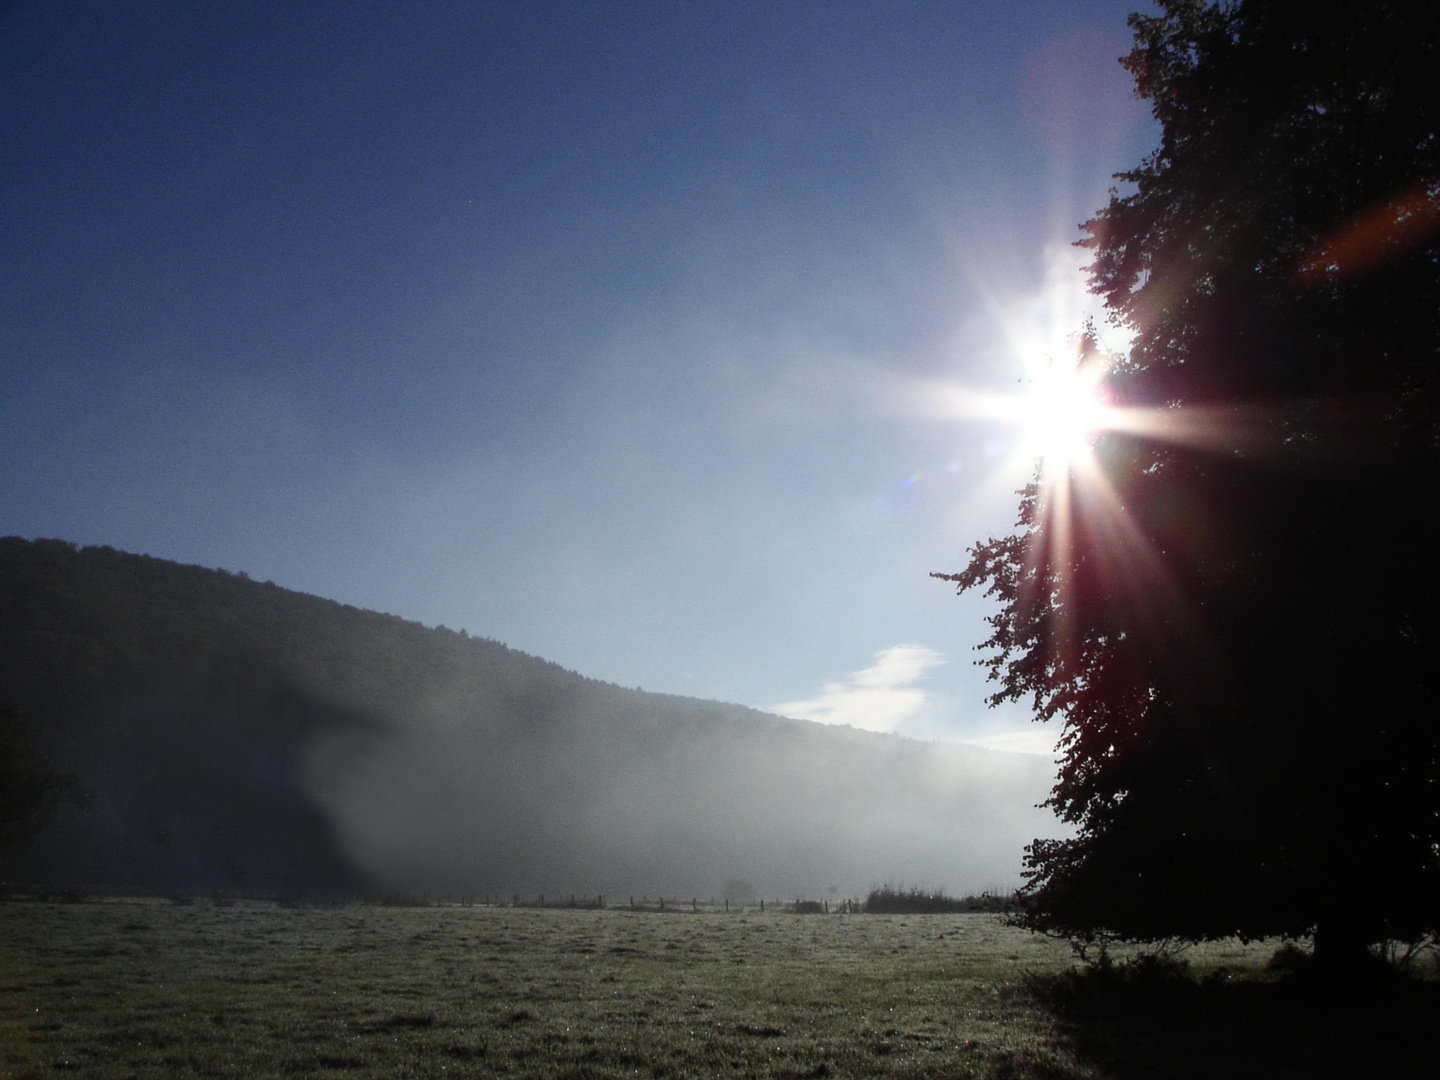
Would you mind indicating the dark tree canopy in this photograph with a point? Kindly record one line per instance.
(30, 788)
(1236, 613)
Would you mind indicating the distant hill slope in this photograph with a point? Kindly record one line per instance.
(243, 737)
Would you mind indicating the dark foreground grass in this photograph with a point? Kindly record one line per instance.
(153, 989)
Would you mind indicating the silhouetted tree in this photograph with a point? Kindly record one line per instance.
(1234, 609)
(30, 788)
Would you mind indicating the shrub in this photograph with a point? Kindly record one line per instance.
(887, 900)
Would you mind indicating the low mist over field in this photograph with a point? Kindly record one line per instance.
(237, 736)
(681, 800)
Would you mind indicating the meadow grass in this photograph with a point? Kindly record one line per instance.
(149, 988)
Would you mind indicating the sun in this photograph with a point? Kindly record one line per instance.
(1062, 410)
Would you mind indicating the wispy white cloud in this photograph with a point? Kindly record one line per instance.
(878, 698)
(1038, 739)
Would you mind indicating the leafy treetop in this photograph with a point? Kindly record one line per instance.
(1232, 606)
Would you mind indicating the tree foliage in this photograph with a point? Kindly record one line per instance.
(30, 787)
(1234, 614)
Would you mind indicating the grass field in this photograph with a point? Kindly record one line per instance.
(148, 988)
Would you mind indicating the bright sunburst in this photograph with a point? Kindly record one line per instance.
(1062, 411)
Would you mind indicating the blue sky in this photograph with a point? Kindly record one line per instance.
(623, 333)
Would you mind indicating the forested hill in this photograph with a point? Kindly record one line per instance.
(243, 737)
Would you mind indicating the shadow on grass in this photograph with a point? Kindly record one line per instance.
(1153, 1019)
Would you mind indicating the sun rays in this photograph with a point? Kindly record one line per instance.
(1097, 463)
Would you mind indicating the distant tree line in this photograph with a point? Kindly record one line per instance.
(887, 900)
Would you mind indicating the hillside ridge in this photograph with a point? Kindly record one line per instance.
(240, 736)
